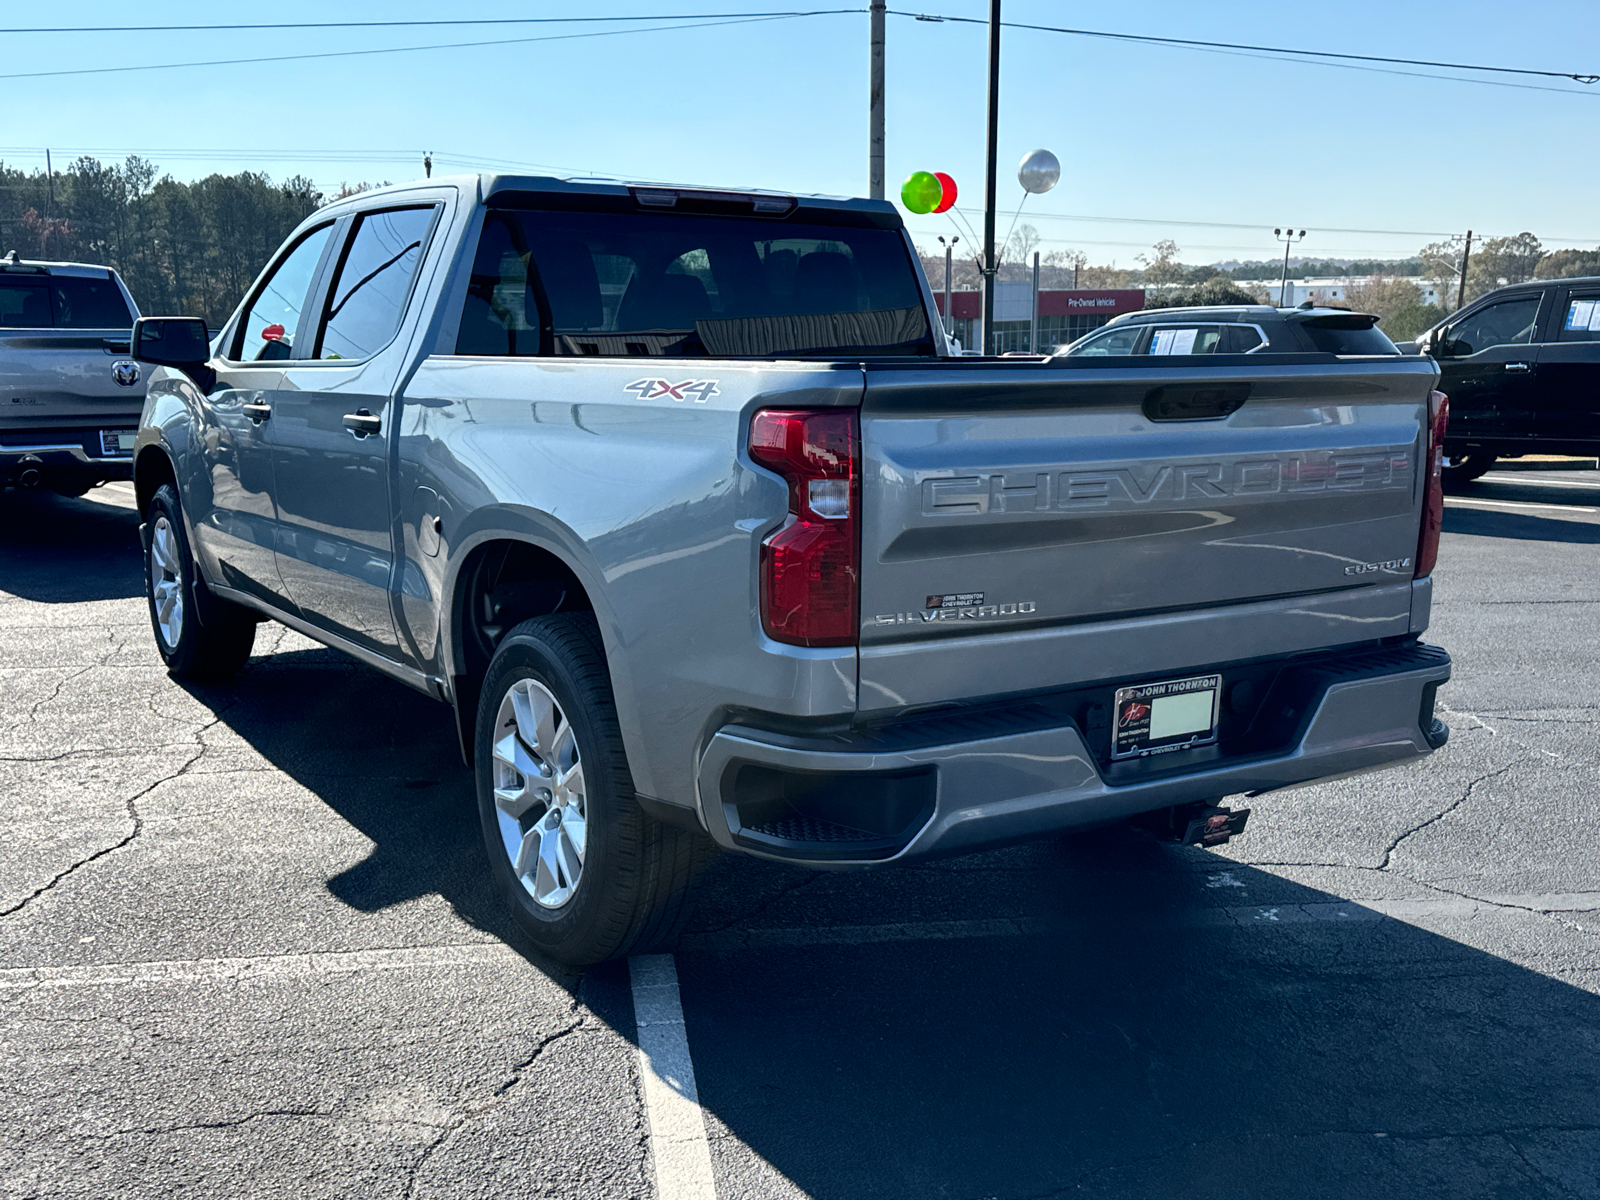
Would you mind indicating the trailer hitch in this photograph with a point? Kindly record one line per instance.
(1196, 824)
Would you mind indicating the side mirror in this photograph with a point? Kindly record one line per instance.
(180, 342)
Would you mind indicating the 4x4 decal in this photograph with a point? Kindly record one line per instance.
(654, 389)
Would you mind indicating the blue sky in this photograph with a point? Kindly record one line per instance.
(1148, 137)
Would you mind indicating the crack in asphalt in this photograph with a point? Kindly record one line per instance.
(132, 804)
(1466, 795)
(474, 1111)
(231, 1123)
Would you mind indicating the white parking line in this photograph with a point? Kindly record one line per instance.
(678, 1145)
(1579, 483)
(1461, 500)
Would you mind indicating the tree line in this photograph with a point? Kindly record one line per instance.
(182, 248)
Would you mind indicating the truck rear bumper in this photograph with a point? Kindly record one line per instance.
(917, 790)
(36, 464)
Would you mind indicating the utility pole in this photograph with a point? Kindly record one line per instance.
(50, 177)
(1033, 319)
(427, 164)
(989, 265)
(1288, 237)
(875, 99)
(1461, 289)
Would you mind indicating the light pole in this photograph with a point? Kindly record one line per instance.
(1288, 237)
(875, 104)
(991, 180)
(949, 253)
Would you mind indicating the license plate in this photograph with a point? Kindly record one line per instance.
(1175, 714)
(116, 441)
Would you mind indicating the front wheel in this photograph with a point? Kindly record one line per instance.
(587, 873)
(208, 651)
(1464, 468)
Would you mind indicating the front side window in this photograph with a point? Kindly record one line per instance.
(1582, 322)
(1506, 323)
(273, 323)
(369, 293)
(652, 284)
(1113, 342)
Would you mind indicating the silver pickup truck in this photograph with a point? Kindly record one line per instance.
(676, 498)
(69, 394)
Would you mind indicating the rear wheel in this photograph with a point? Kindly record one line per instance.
(588, 875)
(211, 650)
(1464, 468)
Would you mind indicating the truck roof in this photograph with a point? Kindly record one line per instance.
(13, 263)
(650, 195)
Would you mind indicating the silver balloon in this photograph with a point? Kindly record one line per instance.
(1039, 172)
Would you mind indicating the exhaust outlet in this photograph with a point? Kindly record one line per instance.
(29, 478)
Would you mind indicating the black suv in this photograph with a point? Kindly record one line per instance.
(1236, 329)
(1522, 369)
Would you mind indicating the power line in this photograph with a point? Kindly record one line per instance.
(310, 25)
(1193, 43)
(1227, 224)
(556, 37)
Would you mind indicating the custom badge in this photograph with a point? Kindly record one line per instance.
(698, 390)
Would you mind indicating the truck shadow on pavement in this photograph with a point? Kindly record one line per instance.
(1521, 526)
(59, 551)
(1095, 1015)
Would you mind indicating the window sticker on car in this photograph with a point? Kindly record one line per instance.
(1174, 341)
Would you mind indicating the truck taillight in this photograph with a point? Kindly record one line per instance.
(1433, 497)
(810, 567)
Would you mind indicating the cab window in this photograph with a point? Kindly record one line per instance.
(373, 283)
(1504, 323)
(1582, 320)
(273, 323)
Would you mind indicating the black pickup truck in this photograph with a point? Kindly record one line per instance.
(1522, 369)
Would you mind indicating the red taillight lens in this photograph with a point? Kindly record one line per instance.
(810, 568)
(1433, 498)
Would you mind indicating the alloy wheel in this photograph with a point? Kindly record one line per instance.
(166, 582)
(539, 793)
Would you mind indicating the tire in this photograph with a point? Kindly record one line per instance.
(208, 651)
(587, 873)
(1465, 468)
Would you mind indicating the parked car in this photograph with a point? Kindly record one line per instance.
(1235, 329)
(1521, 366)
(69, 394)
(676, 499)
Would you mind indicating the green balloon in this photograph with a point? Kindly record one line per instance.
(921, 192)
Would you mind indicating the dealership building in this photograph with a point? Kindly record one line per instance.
(1065, 314)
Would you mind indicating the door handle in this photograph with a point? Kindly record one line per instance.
(1520, 368)
(361, 423)
(256, 411)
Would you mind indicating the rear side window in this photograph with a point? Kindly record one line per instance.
(629, 284)
(62, 302)
(1582, 322)
(369, 293)
(1185, 339)
(1348, 335)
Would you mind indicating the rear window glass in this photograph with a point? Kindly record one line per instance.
(629, 284)
(62, 302)
(1339, 335)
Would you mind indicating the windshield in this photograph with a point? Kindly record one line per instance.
(628, 284)
(62, 302)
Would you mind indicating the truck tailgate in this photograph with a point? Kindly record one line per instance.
(1028, 526)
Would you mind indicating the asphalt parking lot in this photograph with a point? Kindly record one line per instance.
(246, 948)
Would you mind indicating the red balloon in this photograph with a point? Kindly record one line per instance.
(947, 199)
